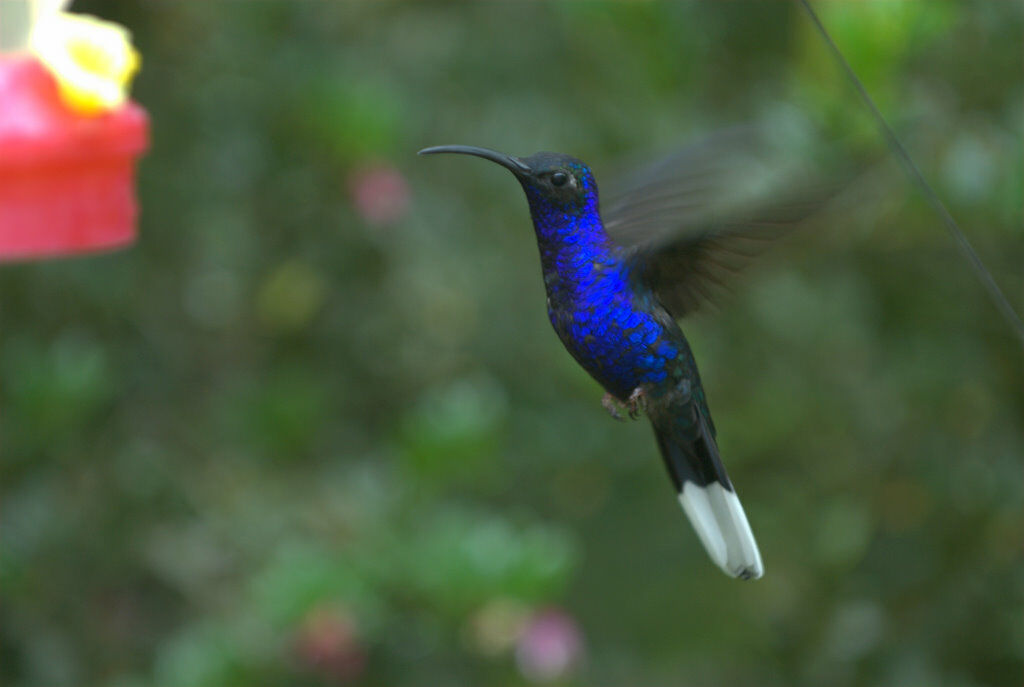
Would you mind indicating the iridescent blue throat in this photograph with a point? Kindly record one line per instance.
(603, 322)
(571, 238)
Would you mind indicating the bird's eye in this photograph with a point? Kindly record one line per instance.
(559, 179)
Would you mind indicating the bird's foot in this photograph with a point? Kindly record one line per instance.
(612, 405)
(636, 403)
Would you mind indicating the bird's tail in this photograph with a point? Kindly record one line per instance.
(708, 498)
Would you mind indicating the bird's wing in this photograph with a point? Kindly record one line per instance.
(688, 221)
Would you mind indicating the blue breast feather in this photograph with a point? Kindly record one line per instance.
(604, 323)
(612, 335)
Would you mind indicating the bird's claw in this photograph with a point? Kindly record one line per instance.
(612, 405)
(636, 403)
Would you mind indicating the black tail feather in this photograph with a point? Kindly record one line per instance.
(708, 497)
(691, 459)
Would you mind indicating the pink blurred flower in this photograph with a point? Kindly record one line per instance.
(328, 643)
(379, 193)
(549, 647)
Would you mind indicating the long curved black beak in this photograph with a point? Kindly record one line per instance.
(513, 164)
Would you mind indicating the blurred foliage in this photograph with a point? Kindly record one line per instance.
(315, 429)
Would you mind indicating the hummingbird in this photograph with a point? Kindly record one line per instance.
(617, 282)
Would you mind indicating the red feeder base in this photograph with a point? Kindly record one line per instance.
(66, 180)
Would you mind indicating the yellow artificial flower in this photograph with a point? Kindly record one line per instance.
(92, 60)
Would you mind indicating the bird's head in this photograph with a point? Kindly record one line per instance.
(555, 183)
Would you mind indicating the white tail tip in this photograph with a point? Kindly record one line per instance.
(717, 516)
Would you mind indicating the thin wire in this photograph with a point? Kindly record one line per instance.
(980, 271)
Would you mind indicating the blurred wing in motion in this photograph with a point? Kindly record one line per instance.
(692, 219)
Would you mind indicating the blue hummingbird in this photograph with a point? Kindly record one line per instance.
(616, 285)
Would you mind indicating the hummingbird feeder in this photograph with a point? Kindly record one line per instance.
(69, 137)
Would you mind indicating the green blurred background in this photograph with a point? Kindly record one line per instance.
(314, 427)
